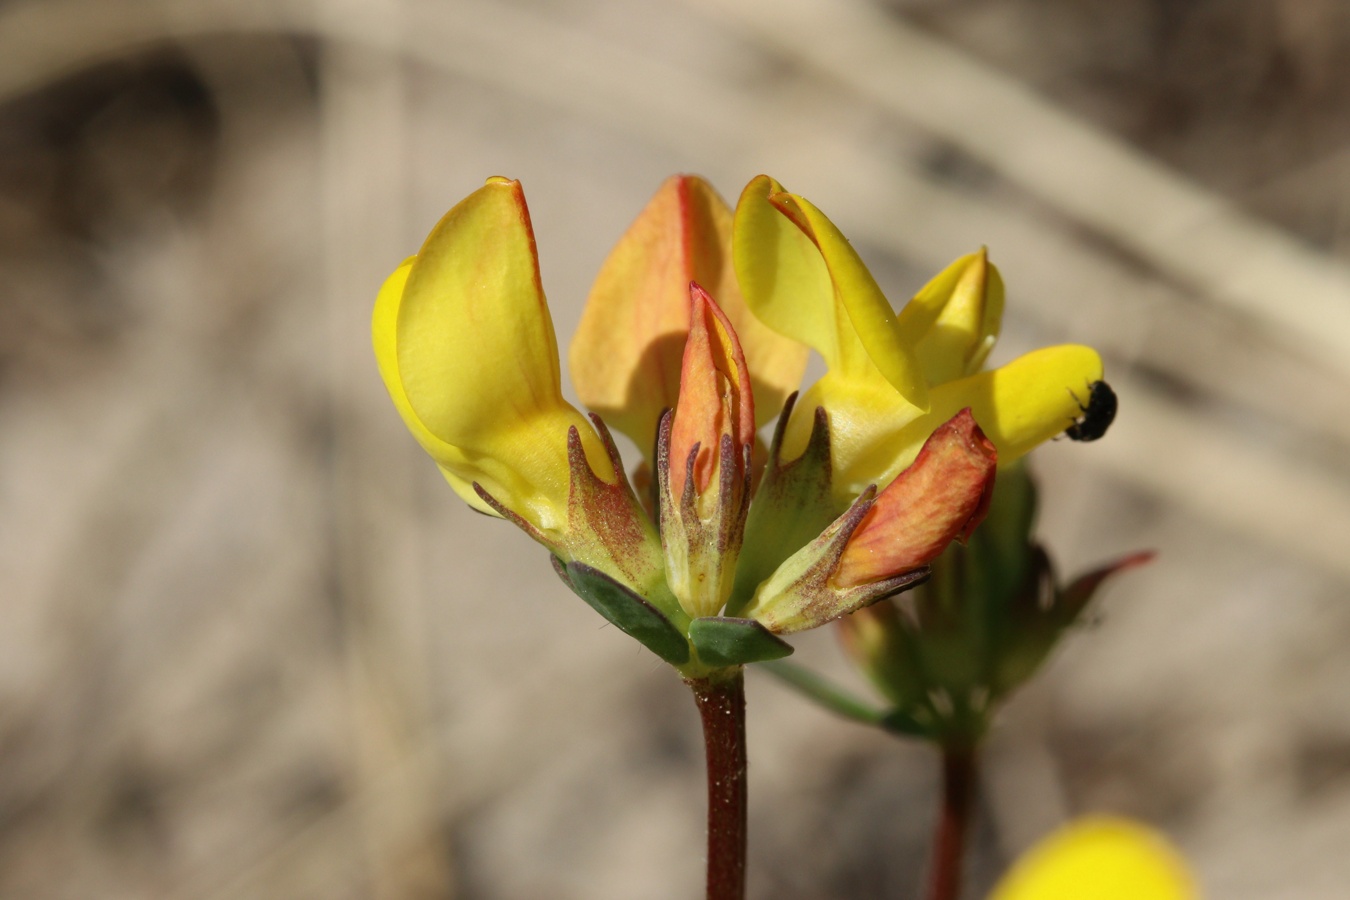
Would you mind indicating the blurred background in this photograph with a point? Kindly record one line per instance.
(253, 647)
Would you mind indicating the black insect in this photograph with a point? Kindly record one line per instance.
(1098, 413)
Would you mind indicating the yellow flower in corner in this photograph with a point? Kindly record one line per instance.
(1099, 858)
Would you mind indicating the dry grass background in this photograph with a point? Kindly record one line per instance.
(253, 648)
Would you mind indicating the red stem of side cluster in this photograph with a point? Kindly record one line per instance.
(958, 802)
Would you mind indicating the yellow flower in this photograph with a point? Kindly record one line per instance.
(467, 350)
(1099, 858)
(892, 378)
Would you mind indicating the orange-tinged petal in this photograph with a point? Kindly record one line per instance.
(802, 593)
(715, 397)
(626, 356)
(477, 361)
(703, 461)
(938, 499)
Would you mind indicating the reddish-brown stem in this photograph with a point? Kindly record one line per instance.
(721, 703)
(949, 840)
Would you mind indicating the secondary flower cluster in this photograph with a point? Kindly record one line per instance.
(696, 333)
(978, 629)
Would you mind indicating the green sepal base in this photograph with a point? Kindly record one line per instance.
(627, 611)
(792, 507)
(735, 642)
(827, 694)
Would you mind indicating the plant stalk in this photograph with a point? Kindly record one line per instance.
(721, 704)
(953, 824)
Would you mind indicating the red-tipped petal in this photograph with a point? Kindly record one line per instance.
(938, 499)
(625, 358)
(715, 398)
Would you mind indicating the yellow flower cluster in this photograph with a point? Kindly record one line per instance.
(712, 312)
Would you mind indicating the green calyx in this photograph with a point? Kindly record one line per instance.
(627, 611)
(724, 642)
(695, 647)
(792, 506)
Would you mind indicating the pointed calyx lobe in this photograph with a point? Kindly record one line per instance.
(704, 461)
(792, 505)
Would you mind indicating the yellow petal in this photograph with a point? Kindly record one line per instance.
(477, 359)
(803, 278)
(870, 437)
(383, 333)
(954, 320)
(869, 312)
(1022, 404)
(1099, 858)
(874, 435)
(626, 356)
(782, 274)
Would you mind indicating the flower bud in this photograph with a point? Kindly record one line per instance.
(703, 462)
(984, 622)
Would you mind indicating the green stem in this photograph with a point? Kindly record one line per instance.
(958, 801)
(721, 703)
(823, 692)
